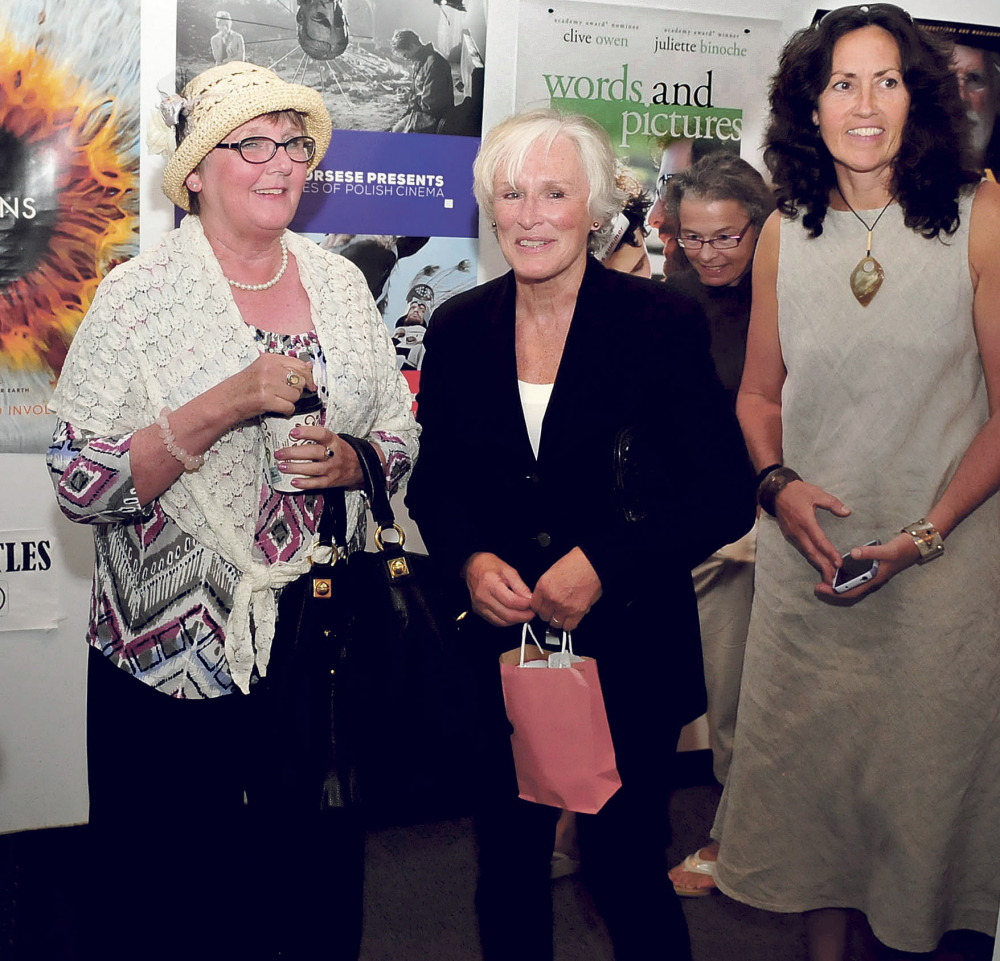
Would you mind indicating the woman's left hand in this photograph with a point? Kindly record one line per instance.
(326, 461)
(566, 591)
(893, 557)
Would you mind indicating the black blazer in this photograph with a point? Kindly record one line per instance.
(636, 354)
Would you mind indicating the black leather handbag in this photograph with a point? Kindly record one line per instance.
(365, 705)
(400, 641)
(407, 595)
(308, 731)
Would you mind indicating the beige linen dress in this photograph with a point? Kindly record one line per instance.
(866, 762)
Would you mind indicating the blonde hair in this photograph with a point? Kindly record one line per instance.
(505, 148)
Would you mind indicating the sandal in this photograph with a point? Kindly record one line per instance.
(562, 865)
(695, 864)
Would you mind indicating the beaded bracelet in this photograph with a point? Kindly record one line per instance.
(191, 462)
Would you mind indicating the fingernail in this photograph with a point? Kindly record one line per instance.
(294, 432)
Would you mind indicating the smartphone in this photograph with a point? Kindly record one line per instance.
(854, 573)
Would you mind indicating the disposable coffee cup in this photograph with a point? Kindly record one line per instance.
(277, 435)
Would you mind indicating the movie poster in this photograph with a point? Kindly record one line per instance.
(69, 128)
(394, 192)
(668, 86)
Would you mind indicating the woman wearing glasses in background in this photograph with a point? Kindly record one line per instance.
(678, 154)
(201, 852)
(720, 205)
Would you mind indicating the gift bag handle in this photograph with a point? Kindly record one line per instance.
(526, 631)
(566, 645)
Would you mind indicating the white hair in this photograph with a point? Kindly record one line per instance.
(505, 148)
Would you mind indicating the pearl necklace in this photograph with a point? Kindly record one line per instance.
(273, 280)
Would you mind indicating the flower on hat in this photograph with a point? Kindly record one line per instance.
(160, 139)
(161, 136)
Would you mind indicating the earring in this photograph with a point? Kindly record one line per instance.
(494, 225)
(193, 183)
(596, 225)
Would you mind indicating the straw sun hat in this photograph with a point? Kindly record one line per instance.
(222, 98)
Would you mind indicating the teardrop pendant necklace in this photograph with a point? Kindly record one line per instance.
(867, 277)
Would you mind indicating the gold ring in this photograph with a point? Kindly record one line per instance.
(293, 379)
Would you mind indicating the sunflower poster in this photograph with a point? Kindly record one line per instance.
(69, 163)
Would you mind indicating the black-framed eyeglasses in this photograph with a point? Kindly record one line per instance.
(725, 242)
(259, 150)
(663, 187)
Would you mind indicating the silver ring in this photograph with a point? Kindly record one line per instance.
(329, 453)
(293, 379)
(555, 620)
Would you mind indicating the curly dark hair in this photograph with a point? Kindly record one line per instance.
(635, 210)
(934, 163)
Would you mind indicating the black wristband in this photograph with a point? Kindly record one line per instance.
(772, 485)
(762, 474)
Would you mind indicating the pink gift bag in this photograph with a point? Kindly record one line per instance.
(562, 746)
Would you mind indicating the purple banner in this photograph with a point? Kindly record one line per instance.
(389, 183)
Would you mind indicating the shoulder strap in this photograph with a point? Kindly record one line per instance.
(374, 480)
(332, 527)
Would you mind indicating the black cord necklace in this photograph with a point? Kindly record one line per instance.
(867, 277)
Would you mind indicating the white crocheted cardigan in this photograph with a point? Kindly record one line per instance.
(162, 329)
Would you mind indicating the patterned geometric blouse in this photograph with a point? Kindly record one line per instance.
(175, 642)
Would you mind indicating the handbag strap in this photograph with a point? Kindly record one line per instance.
(374, 480)
(332, 528)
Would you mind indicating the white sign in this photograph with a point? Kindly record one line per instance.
(29, 597)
